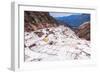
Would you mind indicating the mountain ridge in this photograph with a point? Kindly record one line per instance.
(74, 20)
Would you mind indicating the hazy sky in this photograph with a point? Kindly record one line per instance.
(61, 14)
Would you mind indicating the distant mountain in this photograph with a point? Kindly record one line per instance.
(73, 20)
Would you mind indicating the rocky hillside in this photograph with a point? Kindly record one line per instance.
(38, 20)
(84, 31)
(48, 40)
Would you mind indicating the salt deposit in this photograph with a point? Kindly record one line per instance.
(55, 43)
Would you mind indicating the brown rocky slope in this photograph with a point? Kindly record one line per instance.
(37, 20)
(84, 31)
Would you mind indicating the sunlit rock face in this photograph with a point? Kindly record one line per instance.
(46, 40)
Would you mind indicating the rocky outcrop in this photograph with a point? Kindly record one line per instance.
(37, 20)
(84, 31)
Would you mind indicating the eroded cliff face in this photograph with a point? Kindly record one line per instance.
(38, 20)
(84, 31)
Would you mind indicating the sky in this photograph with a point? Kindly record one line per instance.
(61, 14)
